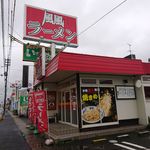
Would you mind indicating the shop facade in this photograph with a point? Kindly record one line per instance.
(89, 92)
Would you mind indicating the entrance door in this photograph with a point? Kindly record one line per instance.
(67, 106)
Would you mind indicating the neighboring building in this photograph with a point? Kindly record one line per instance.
(88, 91)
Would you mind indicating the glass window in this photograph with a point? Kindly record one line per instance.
(105, 81)
(89, 81)
(147, 92)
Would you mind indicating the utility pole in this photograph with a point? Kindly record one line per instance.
(7, 64)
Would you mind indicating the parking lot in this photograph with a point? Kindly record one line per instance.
(129, 141)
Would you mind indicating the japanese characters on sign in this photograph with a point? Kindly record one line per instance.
(125, 92)
(51, 99)
(89, 101)
(41, 105)
(31, 108)
(50, 27)
(23, 100)
(40, 64)
(30, 52)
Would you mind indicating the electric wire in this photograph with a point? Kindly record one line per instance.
(11, 32)
(3, 31)
(8, 17)
(12, 25)
(16, 32)
(90, 26)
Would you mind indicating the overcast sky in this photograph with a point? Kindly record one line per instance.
(128, 24)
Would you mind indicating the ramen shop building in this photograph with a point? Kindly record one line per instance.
(88, 91)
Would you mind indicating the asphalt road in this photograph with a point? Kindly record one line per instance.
(10, 135)
(132, 141)
(11, 139)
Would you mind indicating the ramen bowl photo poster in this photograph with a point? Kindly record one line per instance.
(98, 106)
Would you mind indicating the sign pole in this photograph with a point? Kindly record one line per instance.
(47, 114)
(53, 50)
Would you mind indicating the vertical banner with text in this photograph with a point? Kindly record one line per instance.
(30, 96)
(32, 108)
(41, 105)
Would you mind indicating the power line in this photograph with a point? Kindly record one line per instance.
(8, 17)
(12, 25)
(16, 32)
(15, 39)
(90, 26)
(3, 31)
(101, 18)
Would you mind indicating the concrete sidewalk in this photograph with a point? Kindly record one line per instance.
(37, 142)
(10, 136)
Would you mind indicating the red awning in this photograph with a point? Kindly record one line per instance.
(66, 64)
(94, 64)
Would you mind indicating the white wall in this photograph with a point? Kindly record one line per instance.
(127, 109)
(141, 106)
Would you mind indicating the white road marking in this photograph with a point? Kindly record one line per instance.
(113, 141)
(126, 147)
(144, 132)
(99, 140)
(132, 144)
(124, 135)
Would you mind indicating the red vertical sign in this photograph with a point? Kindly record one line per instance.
(41, 109)
(32, 108)
(30, 97)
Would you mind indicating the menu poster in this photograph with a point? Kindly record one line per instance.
(107, 103)
(125, 92)
(98, 106)
(89, 102)
(51, 99)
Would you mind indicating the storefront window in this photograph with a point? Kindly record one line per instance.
(105, 81)
(67, 106)
(107, 103)
(88, 81)
(147, 92)
(89, 102)
(98, 106)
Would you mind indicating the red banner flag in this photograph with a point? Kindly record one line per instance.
(32, 108)
(41, 111)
